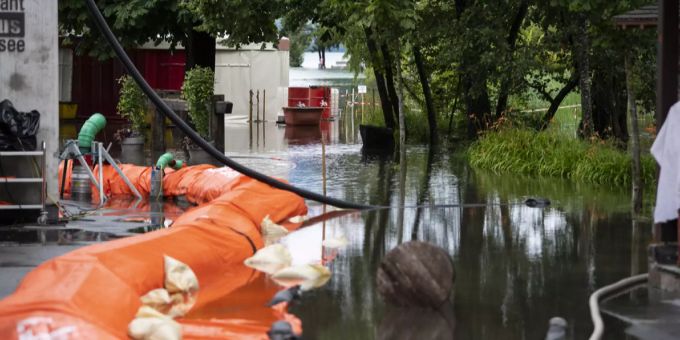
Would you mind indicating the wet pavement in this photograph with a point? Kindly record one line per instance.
(25, 247)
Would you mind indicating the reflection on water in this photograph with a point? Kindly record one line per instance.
(516, 266)
(45, 236)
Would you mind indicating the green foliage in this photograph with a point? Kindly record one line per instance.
(132, 103)
(548, 154)
(136, 22)
(198, 90)
(300, 38)
(240, 22)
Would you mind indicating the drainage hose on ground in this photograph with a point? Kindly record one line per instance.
(167, 111)
(90, 128)
(593, 302)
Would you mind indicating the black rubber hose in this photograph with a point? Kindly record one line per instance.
(167, 111)
(195, 137)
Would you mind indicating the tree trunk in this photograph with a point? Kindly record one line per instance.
(477, 106)
(200, 50)
(503, 93)
(557, 101)
(401, 117)
(388, 114)
(425, 83)
(609, 101)
(424, 191)
(582, 45)
(635, 149)
(389, 79)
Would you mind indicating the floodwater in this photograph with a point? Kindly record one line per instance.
(516, 266)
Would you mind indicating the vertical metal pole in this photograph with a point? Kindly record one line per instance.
(666, 60)
(122, 175)
(100, 153)
(264, 105)
(250, 110)
(666, 72)
(352, 114)
(43, 192)
(264, 118)
(63, 179)
(257, 112)
(323, 165)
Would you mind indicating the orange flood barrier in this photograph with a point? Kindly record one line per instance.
(93, 292)
(199, 183)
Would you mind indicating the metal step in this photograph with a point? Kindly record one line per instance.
(21, 207)
(20, 180)
(21, 153)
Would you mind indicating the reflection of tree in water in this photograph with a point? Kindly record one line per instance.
(516, 266)
(424, 190)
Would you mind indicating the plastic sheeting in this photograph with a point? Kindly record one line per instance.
(94, 292)
(17, 129)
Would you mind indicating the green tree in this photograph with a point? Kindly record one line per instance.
(586, 34)
(300, 39)
(194, 23)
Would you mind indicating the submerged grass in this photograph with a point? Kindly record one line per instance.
(552, 154)
(417, 128)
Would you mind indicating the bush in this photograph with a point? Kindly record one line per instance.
(198, 90)
(132, 103)
(544, 153)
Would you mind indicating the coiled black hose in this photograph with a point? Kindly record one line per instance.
(195, 137)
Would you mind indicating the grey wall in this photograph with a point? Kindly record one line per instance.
(29, 78)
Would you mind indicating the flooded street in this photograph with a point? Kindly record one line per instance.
(516, 266)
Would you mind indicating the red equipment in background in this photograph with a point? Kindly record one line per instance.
(313, 96)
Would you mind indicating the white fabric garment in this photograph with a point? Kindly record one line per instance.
(666, 151)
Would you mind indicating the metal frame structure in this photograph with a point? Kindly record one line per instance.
(41, 179)
(72, 152)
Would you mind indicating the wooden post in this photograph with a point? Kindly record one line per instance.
(250, 110)
(635, 138)
(218, 109)
(157, 135)
(362, 105)
(264, 105)
(666, 60)
(257, 110)
(373, 101)
(323, 165)
(250, 120)
(666, 71)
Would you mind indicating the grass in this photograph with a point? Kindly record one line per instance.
(551, 154)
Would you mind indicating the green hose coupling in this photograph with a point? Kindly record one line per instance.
(168, 159)
(90, 128)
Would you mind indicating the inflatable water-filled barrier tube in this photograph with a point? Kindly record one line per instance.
(94, 292)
